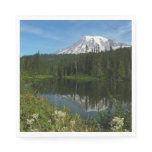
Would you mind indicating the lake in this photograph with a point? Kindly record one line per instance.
(85, 97)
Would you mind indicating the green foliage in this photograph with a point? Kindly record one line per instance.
(109, 65)
(104, 119)
(120, 111)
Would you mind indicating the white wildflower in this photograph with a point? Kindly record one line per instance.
(72, 122)
(117, 123)
(35, 116)
(56, 112)
(72, 131)
(34, 130)
(98, 125)
(60, 114)
(49, 121)
(30, 121)
(64, 128)
(57, 120)
(126, 130)
(57, 126)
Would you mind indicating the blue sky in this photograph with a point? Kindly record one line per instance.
(49, 36)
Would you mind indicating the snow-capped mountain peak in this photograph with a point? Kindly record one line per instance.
(96, 38)
(92, 43)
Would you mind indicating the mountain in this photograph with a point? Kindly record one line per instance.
(83, 105)
(92, 42)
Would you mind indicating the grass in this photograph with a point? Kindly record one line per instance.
(38, 76)
(44, 76)
(79, 77)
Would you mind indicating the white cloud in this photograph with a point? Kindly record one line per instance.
(120, 32)
(37, 31)
(124, 29)
(30, 29)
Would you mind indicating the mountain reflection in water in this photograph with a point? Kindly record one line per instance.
(86, 98)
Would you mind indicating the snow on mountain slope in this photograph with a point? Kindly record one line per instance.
(92, 42)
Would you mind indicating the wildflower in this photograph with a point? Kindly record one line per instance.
(26, 85)
(34, 130)
(57, 126)
(117, 123)
(86, 128)
(98, 125)
(49, 109)
(89, 129)
(53, 128)
(44, 100)
(60, 114)
(72, 122)
(71, 128)
(35, 116)
(68, 109)
(64, 128)
(62, 120)
(49, 121)
(126, 130)
(29, 96)
(57, 120)
(30, 121)
(56, 112)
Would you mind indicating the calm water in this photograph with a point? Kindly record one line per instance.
(87, 98)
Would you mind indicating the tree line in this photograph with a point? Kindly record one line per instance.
(110, 65)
